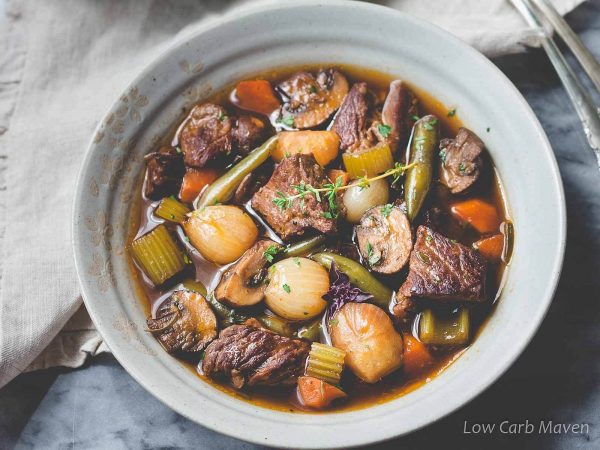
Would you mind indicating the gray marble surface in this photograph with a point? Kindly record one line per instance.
(557, 378)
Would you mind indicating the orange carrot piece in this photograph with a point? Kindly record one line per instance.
(334, 174)
(317, 394)
(257, 96)
(479, 214)
(194, 181)
(323, 145)
(416, 355)
(491, 247)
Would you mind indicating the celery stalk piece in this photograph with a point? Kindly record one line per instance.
(444, 328)
(172, 210)
(158, 255)
(325, 362)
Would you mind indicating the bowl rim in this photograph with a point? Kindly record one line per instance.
(446, 408)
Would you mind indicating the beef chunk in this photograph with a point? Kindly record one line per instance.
(206, 134)
(242, 284)
(309, 101)
(360, 125)
(165, 173)
(461, 160)
(184, 323)
(384, 238)
(248, 133)
(294, 219)
(351, 120)
(247, 355)
(443, 269)
(399, 108)
(209, 132)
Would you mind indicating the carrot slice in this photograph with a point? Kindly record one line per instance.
(479, 214)
(491, 247)
(334, 174)
(257, 96)
(323, 145)
(416, 355)
(317, 394)
(194, 181)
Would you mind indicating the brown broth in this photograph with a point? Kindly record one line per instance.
(360, 395)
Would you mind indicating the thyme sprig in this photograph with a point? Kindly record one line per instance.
(330, 190)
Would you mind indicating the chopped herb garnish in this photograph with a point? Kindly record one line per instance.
(186, 259)
(222, 117)
(415, 118)
(178, 149)
(288, 121)
(429, 125)
(270, 253)
(384, 130)
(372, 258)
(313, 89)
(428, 238)
(286, 288)
(286, 155)
(297, 261)
(451, 113)
(333, 322)
(386, 210)
(424, 258)
(488, 129)
(461, 168)
(443, 157)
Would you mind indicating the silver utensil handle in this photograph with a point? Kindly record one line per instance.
(583, 55)
(581, 99)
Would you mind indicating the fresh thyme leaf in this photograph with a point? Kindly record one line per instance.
(363, 183)
(461, 168)
(415, 118)
(313, 89)
(297, 261)
(270, 253)
(286, 288)
(384, 130)
(327, 215)
(222, 117)
(428, 238)
(386, 210)
(429, 125)
(451, 113)
(281, 201)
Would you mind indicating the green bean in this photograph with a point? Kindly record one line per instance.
(444, 327)
(358, 275)
(221, 190)
(312, 331)
(276, 324)
(422, 151)
(303, 248)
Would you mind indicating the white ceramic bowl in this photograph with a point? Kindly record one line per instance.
(318, 32)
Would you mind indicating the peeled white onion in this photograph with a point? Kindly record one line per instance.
(365, 332)
(221, 233)
(296, 288)
(357, 200)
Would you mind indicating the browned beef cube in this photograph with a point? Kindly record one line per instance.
(247, 355)
(443, 269)
(461, 160)
(295, 218)
(165, 173)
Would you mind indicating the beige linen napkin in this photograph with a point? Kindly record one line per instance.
(62, 64)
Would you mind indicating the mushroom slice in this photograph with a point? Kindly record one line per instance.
(384, 238)
(309, 101)
(184, 323)
(242, 284)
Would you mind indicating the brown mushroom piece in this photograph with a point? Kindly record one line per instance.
(242, 284)
(184, 323)
(399, 108)
(384, 238)
(461, 160)
(311, 100)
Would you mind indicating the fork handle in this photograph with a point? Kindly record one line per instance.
(583, 55)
